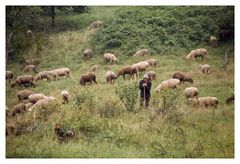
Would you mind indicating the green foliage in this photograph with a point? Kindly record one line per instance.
(128, 94)
(162, 29)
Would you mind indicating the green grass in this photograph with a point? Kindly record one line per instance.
(113, 132)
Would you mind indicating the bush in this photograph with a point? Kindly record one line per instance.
(128, 94)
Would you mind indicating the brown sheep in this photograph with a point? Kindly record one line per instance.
(151, 75)
(152, 62)
(33, 98)
(24, 94)
(201, 52)
(170, 83)
(88, 53)
(65, 96)
(29, 68)
(190, 92)
(205, 101)
(9, 76)
(142, 52)
(95, 24)
(89, 77)
(141, 66)
(18, 109)
(182, 77)
(49, 75)
(43, 103)
(204, 68)
(230, 100)
(94, 68)
(213, 41)
(62, 72)
(23, 80)
(108, 57)
(226, 34)
(126, 70)
(32, 62)
(110, 77)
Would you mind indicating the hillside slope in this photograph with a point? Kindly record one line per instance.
(105, 129)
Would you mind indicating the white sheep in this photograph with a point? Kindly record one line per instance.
(110, 77)
(141, 66)
(142, 52)
(108, 57)
(43, 103)
(190, 92)
(151, 75)
(170, 83)
(205, 101)
(201, 52)
(94, 68)
(33, 98)
(152, 62)
(65, 96)
(204, 68)
(62, 72)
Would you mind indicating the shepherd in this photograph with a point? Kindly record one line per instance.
(145, 94)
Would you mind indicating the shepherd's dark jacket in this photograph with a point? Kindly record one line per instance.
(147, 88)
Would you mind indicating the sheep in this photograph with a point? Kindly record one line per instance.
(43, 103)
(49, 75)
(204, 68)
(170, 83)
(152, 62)
(230, 100)
(65, 96)
(88, 53)
(24, 94)
(226, 34)
(89, 77)
(23, 80)
(126, 70)
(29, 68)
(33, 98)
(62, 72)
(94, 68)
(18, 109)
(95, 24)
(29, 33)
(190, 92)
(108, 57)
(182, 77)
(201, 52)
(205, 101)
(141, 66)
(142, 52)
(32, 62)
(110, 76)
(213, 41)
(9, 76)
(151, 75)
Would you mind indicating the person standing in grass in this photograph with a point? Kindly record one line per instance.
(145, 94)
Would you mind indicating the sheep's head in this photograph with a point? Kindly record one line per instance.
(190, 80)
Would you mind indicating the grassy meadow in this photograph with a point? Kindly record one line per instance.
(105, 129)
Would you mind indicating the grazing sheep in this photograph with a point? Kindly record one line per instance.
(204, 68)
(23, 80)
(182, 77)
(65, 96)
(33, 98)
(62, 72)
(110, 77)
(10, 129)
(201, 52)
(29, 68)
(170, 83)
(151, 75)
(32, 62)
(43, 103)
(24, 94)
(141, 66)
(205, 101)
(126, 70)
(190, 92)
(18, 109)
(142, 52)
(95, 24)
(89, 77)
(152, 62)
(94, 68)
(49, 75)
(88, 53)
(213, 41)
(108, 57)
(230, 100)
(9, 76)
(29, 33)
